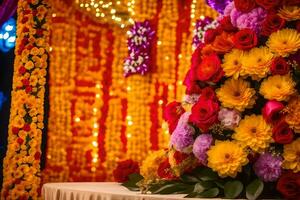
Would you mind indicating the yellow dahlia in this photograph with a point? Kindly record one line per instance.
(277, 87)
(284, 42)
(226, 158)
(293, 113)
(236, 93)
(290, 13)
(254, 132)
(232, 65)
(151, 163)
(256, 63)
(291, 156)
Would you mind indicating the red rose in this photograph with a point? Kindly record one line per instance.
(226, 25)
(208, 93)
(271, 111)
(282, 133)
(210, 35)
(191, 84)
(291, 2)
(164, 170)
(288, 185)
(204, 114)
(172, 113)
(124, 169)
(196, 57)
(210, 69)
(279, 66)
(271, 24)
(267, 4)
(244, 5)
(245, 39)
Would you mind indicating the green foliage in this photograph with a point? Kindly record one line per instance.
(254, 189)
(232, 189)
(131, 184)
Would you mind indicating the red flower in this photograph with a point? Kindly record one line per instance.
(291, 2)
(191, 84)
(37, 155)
(25, 82)
(196, 57)
(15, 130)
(204, 114)
(210, 35)
(279, 66)
(164, 170)
(282, 133)
(26, 127)
(298, 26)
(20, 141)
(172, 113)
(208, 93)
(267, 4)
(22, 70)
(179, 156)
(226, 25)
(124, 169)
(288, 185)
(244, 5)
(210, 69)
(271, 111)
(28, 89)
(271, 24)
(245, 39)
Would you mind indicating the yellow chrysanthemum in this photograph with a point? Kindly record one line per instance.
(290, 13)
(256, 63)
(151, 163)
(236, 93)
(291, 155)
(232, 65)
(227, 158)
(293, 113)
(277, 87)
(254, 132)
(284, 42)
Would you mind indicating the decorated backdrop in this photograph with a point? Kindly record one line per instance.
(97, 116)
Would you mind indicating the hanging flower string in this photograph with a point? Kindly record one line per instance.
(139, 45)
(201, 26)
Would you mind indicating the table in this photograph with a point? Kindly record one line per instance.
(98, 191)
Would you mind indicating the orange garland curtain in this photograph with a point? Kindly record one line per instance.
(98, 117)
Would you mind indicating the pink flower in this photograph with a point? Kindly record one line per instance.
(229, 118)
(271, 111)
(252, 20)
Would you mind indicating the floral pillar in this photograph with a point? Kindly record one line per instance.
(22, 161)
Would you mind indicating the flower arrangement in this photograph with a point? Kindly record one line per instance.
(139, 42)
(22, 162)
(236, 134)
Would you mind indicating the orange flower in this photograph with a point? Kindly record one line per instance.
(293, 113)
(223, 43)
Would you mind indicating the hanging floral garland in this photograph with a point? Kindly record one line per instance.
(22, 161)
(139, 45)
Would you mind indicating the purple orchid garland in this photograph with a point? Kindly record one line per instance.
(140, 37)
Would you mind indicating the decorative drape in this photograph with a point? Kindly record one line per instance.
(98, 117)
(7, 10)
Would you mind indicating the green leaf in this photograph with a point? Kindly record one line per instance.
(198, 188)
(219, 183)
(173, 188)
(233, 189)
(254, 189)
(206, 174)
(132, 181)
(189, 179)
(210, 193)
(191, 195)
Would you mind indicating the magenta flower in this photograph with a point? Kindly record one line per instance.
(200, 147)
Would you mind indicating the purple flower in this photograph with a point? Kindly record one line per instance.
(251, 20)
(200, 147)
(231, 11)
(268, 167)
(182, 136)
(218, 5)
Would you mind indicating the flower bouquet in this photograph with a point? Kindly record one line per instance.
(236, 133)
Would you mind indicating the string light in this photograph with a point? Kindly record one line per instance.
(8, 35)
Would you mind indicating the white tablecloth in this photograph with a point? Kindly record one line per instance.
(98, 191)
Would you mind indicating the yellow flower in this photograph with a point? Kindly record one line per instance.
(256, 63)
(236, 93)
(254, 132)
(232, 65)
(151, 163)
(290, 13)
(284, 42)
(291, 155)
(293, 113)
(226, 158)
(29, 65)
(277, 87)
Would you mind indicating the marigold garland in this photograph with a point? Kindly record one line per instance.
(22, 161)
